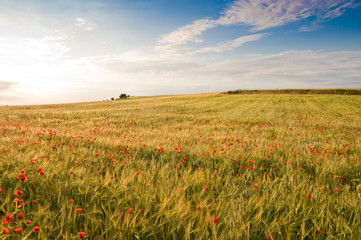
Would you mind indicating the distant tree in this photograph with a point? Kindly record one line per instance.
(123, 96)
(112, 99)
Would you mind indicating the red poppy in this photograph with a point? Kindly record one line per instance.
(130, 210)
(71, 200)
(198, 207)
(36, 229)
(319, 231)
(308, 196)
(215, 220)
(28, 222)
(20, 215)
(6, 231)
(79, 210)
(18, 192)
(18, 230)
(81, 234)
(206, 188)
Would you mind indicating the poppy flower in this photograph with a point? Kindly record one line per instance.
(206, 187)
(79, 210)
(308, 196)
(36, 229)
(130, 210)
(28, 222)
(198, 207)
(319, 231)
(18, 230)
(1, 190)
(142, 210)
(71, 200)
(215, 220)
(20, 215)
(8, 217)
(81, 234)
(34, 201)
(6, 231)
(18, 192)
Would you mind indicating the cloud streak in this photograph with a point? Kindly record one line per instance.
(188, 33)
(292, 69)
(266, 14)
(6, 85)
(81, 22)
(260, 15)
(282, 70)
(231, 44)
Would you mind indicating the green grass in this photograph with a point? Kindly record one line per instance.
(332, 91)
(270, 152)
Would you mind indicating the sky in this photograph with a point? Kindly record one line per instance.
(64, 51)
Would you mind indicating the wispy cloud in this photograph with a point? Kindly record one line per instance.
(231, 44)
(30, 51)
(266, 14)
(6, 85)
(285, 69)
(81, 22)
(292, 69)
(258, 15)
(188, 33)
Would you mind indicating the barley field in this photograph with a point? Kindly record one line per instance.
(206, 166)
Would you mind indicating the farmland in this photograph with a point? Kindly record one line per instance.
(207, 166)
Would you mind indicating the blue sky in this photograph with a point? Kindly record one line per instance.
(75, 50)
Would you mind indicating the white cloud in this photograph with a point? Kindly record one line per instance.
(231, 44)
(81, 22)
(6, 85)
(41, 69)
(266, 14)
(188, 33)
(29, 51)
(290, 69)
(260, 15)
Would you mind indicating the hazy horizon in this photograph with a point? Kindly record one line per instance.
(78, 51)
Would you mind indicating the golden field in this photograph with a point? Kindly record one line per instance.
(206, 166)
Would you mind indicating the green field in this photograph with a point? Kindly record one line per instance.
(207, 166)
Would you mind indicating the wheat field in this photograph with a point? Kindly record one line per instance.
(206, 166)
